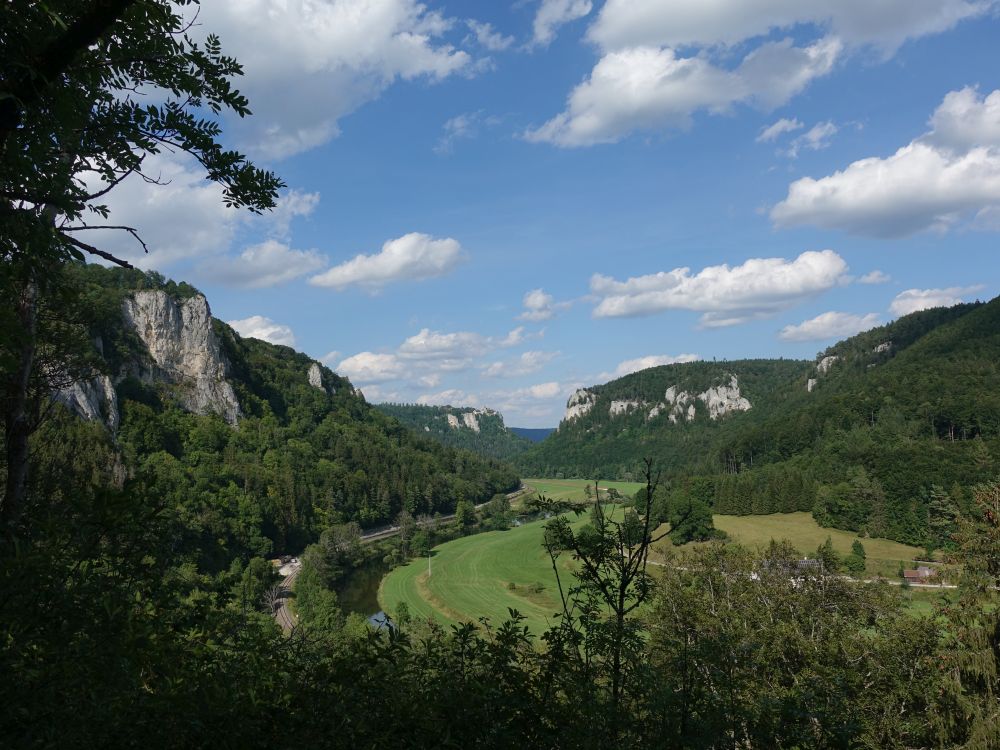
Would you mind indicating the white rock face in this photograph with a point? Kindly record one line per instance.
(315, 376)
(810, 384)
(723, 399)
(453, 422)
(93, 399)
(620, 407)
(825, 364)
(184, 350)
(655, 411)
(883, 347)
(471, 419)
(581, 402)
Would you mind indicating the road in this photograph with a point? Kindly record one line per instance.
(283, 614)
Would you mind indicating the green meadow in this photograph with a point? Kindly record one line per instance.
(486, 574)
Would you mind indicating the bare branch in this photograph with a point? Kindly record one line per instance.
(131, 230)
(99, 253)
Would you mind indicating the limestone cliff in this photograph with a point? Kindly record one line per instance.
(181, 351)
(184, 351)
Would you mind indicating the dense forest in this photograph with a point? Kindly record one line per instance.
(301, 458)
(479, 430)
(136, 606)
(885, 434)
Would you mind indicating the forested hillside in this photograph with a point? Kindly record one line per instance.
(306, 451)
(883, 434)
(479, 430)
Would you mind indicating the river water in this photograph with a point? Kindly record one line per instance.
(358, 590)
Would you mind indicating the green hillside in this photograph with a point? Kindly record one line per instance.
(883, 434)
(300, 458)
(479, 430)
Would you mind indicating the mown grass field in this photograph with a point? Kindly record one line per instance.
(806, 535)
(471, 577)
(572, 489)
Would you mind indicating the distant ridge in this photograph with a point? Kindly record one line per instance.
(534, 434)
(884, 433)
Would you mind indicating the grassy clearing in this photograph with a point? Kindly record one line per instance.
(572, 489)
(471, 578)
(806, 535)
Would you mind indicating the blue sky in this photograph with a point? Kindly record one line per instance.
(492, 204)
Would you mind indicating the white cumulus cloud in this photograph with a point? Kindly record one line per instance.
(371, 367)
(725, 295)
(829, 325)
(644, 363)
(489, 37)
(708, 23)
(526, 364)
(652, 88)
(412, 257)
(875, 277)
(950, 175)
(309, 63)
(265, 329)
(449, 397)
(552, 14)
(267, 264)
(538, 306)
(913, 300)
(779, 128)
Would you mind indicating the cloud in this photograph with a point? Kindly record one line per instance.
(330, 358)
(555, 13)
(949, 175)
(267, 264)
(782, 126)
(369, 367)
(184, 217)
(875, 277)
(526, 364)
(540, 306)
(489, 38)
(885, 24)
(815, 139)
(913, 300)
(462, 127)
(309, 63)
(412, 257)
(760, 287)
(829, 325)
(663, 62)
(649, 88)
(265, 329)
(449, 397)
(644, 363)
(427, 356)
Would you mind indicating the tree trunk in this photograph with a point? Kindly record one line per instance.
(16, 423)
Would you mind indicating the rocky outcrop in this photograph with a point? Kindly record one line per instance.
(471, 420)
(621, 407)
(810, 384)
(825, 364)
(94, 399)
(723, 399)
(316, 376)
(883, 347)
(719, 400)
(453, 422)
(581, 402)
(184, 351)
